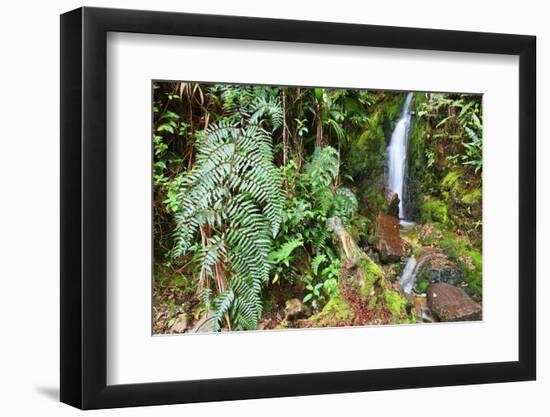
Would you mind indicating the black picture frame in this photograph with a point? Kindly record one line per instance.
(84, 207)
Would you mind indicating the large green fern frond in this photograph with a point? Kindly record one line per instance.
(233, 196)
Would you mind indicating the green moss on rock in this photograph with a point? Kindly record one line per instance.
(473, 197)
(372, 272)
(395, 303)
(433, 210)
(451, 181)
(336, 312)
(470, 261)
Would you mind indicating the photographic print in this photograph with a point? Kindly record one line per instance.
(278, 207)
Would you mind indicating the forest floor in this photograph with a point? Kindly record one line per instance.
(177, 308)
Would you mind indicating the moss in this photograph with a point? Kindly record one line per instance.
(473, 197)
(334, 313)
(371, 273)
(433, 210)
(451, 181)
(469, 259)
(422, 284)
(395, 303)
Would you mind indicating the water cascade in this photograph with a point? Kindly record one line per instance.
(408, 277)
(397, 156)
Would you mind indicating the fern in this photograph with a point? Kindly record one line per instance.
(323, 168)
(221, 305)
(316, 262)
(282, 254)
(232, 202)
(345, 204)
(322, 172)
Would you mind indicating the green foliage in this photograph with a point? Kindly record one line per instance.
(395, 302)
(473, 197)
(336, 312)
(282, 257)
(469, 259)
(433, 210)
(474, 149)
(452, 180)
(245, 178)
(323, 168)
(317, 261)
(233, 197)
(322, 175)
(446, 144)
(324, 282)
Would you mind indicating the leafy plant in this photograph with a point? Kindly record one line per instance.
(324, 282)
(232, 199)
(282, 256)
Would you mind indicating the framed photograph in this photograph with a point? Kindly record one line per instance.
(256, 208)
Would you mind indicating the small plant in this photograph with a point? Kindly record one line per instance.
(281, 258)
(324, 282)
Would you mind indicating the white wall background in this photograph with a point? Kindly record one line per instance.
(29, 219)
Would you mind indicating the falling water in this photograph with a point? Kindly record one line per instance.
(409, 276)
(397, 155)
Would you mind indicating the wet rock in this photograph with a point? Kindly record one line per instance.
(180, 324)
(389, 244)
(434, 266)
(293, 309)
(392, 202)
(449, 303)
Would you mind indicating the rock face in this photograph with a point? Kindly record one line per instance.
(389, 244)
(435, 267)
(392, 201)
(450, 303)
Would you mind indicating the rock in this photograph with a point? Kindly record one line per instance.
(389, 244)
(421, 310)
(205, 324)
(180, 325)
(392, 202)
(293, 309)
(450, 303)
(434, 266)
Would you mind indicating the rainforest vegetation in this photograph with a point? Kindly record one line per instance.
(276, 207)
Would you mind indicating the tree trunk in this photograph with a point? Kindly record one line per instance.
(364, 296)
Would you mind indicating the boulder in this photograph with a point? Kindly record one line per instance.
(293, 309)
(434, 266)
(180, 325)
(392, 202)
(205, 323)
(449, 303)
(389, 243)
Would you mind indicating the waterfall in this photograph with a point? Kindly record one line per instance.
(397, 155)
(408, 277)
